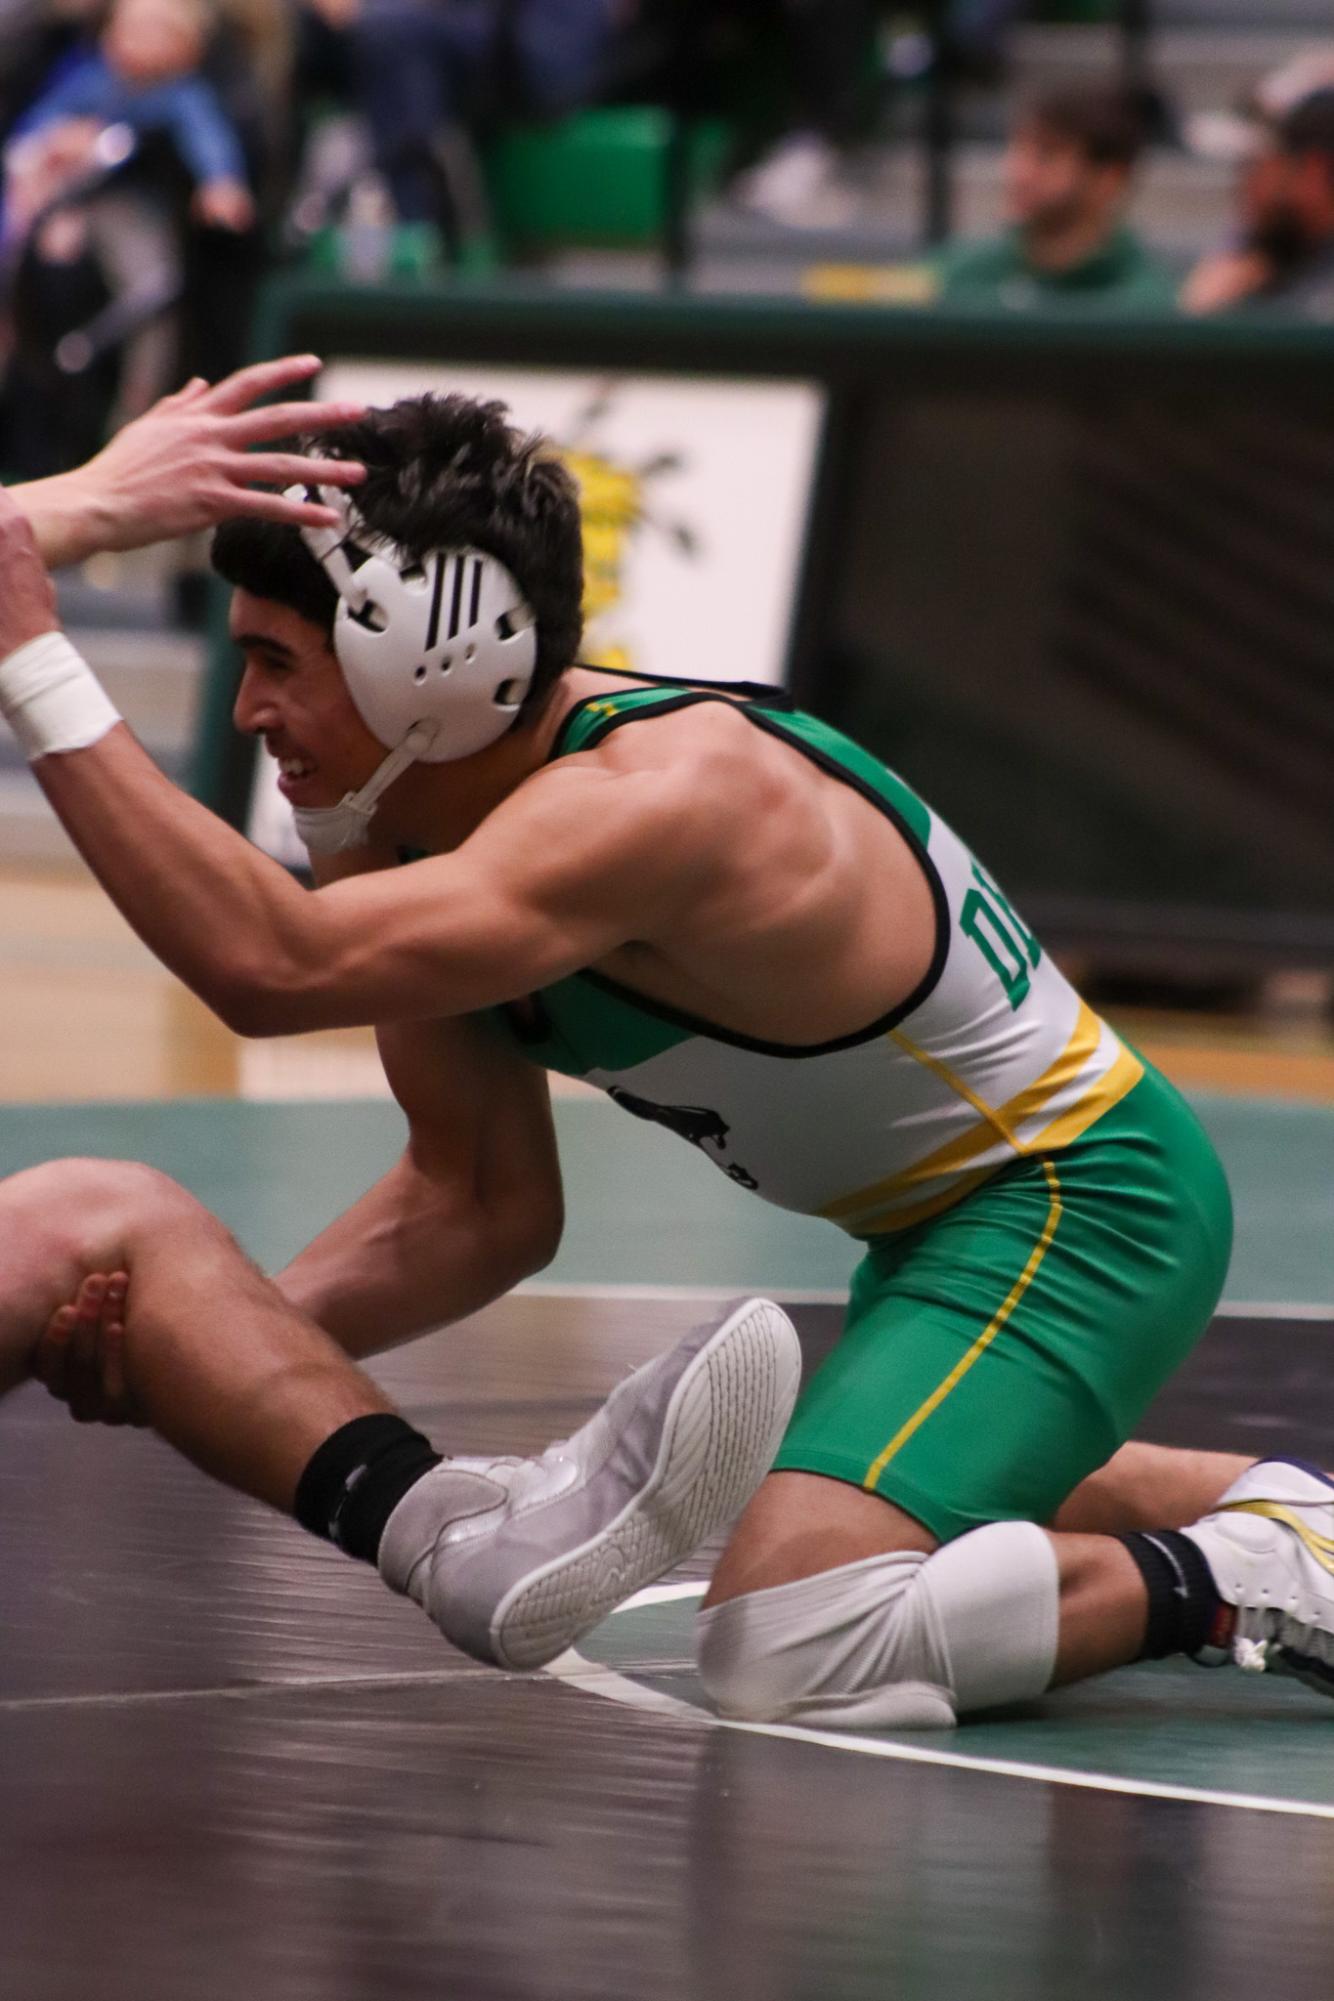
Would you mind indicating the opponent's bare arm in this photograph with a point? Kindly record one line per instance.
(188, 463)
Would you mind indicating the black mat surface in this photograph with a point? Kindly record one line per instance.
(233, 1769)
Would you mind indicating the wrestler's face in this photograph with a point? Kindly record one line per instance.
(293, 695)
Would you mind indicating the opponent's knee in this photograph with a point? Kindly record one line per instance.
(904, 1641)
(89, 1203)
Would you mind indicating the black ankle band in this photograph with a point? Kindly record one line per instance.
(358, 1477)
(1183, 1602)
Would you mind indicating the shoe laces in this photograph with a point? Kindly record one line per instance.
(534, 1464)
(518, 1473)
(1267, 1652)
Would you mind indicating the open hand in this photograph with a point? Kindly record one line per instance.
(187, 463)
(81, 1356)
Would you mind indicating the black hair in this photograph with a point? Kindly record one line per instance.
(442, 472)
(1106, 122)
(1309, 126)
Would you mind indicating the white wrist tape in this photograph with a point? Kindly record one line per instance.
(51, 698)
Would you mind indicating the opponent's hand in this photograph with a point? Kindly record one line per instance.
(81, 1356)
(187, 463)
(27, 595)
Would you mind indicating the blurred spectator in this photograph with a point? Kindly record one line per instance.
(976, 32)
(127, 189)
(1239, 134)
(429, 74)
(143, 73)
(33, 36)
(1283, 253)
(1068, 173)
(802, 180)
(251, 65)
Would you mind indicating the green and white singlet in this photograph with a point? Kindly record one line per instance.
(1047, 1225)
(993, 1058)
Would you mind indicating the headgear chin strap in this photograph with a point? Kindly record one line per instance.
(437, 654)
(327, 830)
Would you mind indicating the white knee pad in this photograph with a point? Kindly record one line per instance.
(906, 1641)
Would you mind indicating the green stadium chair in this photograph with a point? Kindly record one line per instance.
(600, 177)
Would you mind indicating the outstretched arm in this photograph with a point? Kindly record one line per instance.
(577, 862)
(572, 866)
(187, 464)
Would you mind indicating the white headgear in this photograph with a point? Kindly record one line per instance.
(437, 655)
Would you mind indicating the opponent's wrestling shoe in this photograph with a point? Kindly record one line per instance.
(514, 1558)
(1269, 1545)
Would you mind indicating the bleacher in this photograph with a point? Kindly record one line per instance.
(583, 204)
(1204, 56)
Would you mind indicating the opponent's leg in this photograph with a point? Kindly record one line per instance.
(511, 1558)
(221, 1365)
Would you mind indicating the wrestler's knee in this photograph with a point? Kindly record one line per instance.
(906, 1639)
(826, 1648)
(743, 1674)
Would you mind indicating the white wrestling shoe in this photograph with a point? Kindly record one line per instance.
(514, 1558)
(1270, 1547)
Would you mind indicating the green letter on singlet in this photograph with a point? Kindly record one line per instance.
(1008, 947)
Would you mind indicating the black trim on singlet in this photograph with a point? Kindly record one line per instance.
(679, 1017)
(529, 1032)
(754, 691)
(666, 707)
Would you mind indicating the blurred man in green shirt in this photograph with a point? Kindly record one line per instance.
(1068, 170)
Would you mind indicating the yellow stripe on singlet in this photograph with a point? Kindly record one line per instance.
(1002, 1124)
(1109, 1090)
(880, 1223)
(984, 1339)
